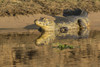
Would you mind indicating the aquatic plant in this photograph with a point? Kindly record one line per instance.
(65, 46)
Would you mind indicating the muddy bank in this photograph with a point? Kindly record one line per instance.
(25, 23)
(94, 21)
(50, 7)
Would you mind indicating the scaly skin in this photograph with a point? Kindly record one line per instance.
(52, 30)
(48, 25)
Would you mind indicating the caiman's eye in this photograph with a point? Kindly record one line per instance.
(63, 29)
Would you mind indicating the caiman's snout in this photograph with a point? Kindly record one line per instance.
(45, 24)
(42, 22)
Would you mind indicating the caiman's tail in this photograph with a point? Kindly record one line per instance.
(75, 12)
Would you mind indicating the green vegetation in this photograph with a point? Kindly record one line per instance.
(51, 7)
(64, 46)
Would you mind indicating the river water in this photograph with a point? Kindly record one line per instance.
(41, 50)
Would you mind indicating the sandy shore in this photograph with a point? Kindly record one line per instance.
(22, 23)
(94, 21)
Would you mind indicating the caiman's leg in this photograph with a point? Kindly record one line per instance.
(84, 33)
(83, 23)
(84, 27)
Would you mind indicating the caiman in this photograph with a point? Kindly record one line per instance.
(72, 26)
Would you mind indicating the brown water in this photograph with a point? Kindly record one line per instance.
(20, 50)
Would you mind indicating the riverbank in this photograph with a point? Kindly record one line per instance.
(48, 7)
(26, 23)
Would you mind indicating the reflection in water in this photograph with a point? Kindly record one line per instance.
(19, 50)
(22, 55)
(49, 37)
(46, 38)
